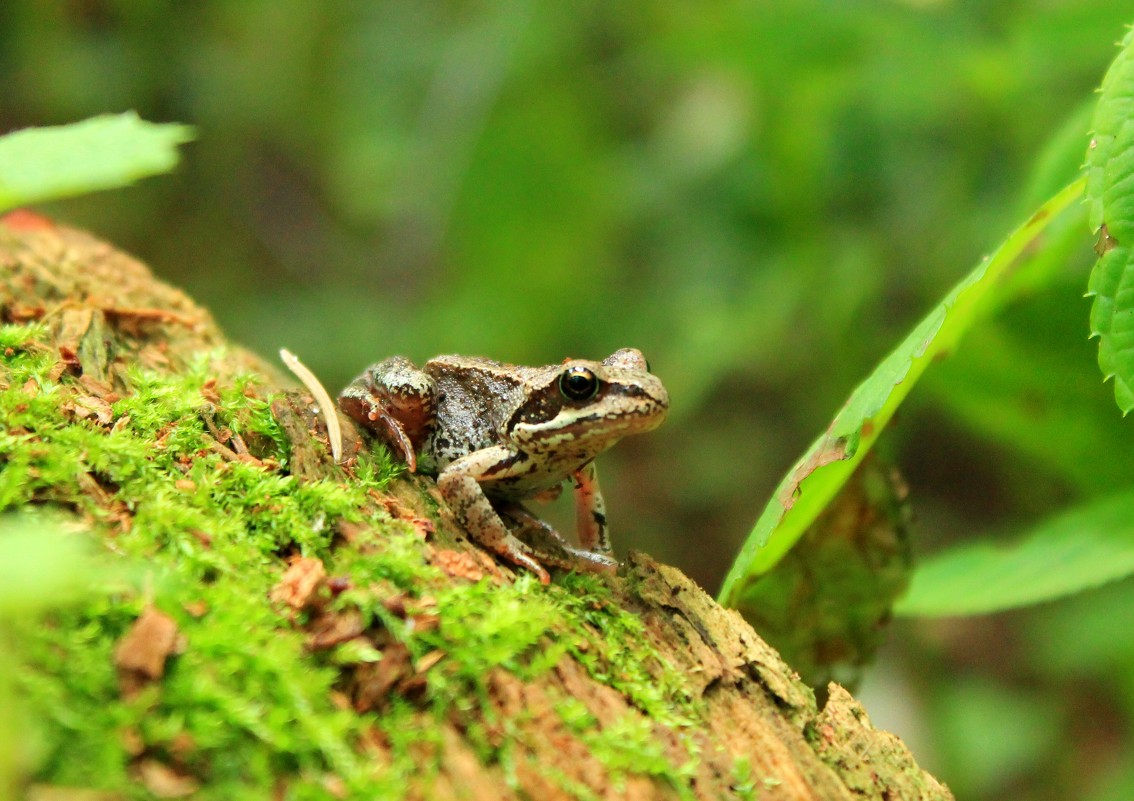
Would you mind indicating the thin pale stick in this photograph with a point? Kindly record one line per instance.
(326, 405)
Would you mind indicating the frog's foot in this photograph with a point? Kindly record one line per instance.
(550, 547)
(360, 406)
(396, 435)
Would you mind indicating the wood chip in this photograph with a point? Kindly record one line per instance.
(209, 392)
(89, 406)
(376, 679)
(135, 321)
(300, 583)
(197, 609)
(428, 661)
(100, 389)
(458, 564)
(333, 628)
(141, 654)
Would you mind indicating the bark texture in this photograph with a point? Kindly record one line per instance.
(751, 730)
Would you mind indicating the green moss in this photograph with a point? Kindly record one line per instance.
(743, 783)
(624, 660)
(526, 629)
(246, 702)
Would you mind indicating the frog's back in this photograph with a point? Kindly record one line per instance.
(474, 399)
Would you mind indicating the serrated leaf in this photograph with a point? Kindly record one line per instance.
(805, 491)
(39, 164)
(1076, 551)
(1110, 194)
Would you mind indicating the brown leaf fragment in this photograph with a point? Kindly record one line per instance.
(136, 321)
(89, 406)
(300, 583)
(17, 312)
(1105, 243)
(429, 660)
(165, 782)
(412, 687)
(399, 510)
(420, 623)
(352, 532)
(98, 388)
(396, 604)
(339, 584)
(203, 537)
(376, 679)
(182, 746)
(335, 786)
(832, 450)
(69, 360)
(458, 564)
(154, 357)
(332, 628)
(74, 322)
(197, 609)
(132, 741)
(209, 392)
(141, 653)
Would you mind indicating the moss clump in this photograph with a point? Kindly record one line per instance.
(184, 478)
(155, 474)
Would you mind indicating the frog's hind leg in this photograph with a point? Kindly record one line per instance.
(549, 544)
(590, 511)
(395, 400)
(475, 513)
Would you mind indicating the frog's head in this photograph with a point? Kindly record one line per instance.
(582, 407)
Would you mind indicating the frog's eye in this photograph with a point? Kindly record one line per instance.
(578, 384)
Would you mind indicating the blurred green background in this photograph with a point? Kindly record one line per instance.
(762, 196)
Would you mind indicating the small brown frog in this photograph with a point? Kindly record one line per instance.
(496, 434)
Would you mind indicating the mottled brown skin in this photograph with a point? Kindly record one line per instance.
(496, 434)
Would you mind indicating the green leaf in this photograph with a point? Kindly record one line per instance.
(1076, 551)
(808, 487)
(1110, 194)
(105, 152)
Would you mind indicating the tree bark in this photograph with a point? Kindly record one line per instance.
(744, 725)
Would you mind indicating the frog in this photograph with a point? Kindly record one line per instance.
(495, 435)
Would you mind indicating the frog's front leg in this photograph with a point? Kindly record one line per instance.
(590, 511)
(459, 484)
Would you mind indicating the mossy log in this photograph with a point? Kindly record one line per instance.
(260, 622)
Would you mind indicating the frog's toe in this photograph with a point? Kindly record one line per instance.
(518, 553)
(522, 559)
(595, 562)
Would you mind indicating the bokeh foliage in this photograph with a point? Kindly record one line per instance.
(763, 196)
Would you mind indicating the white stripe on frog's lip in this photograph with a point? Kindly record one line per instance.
(601, 427)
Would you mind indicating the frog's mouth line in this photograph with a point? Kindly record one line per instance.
(595, 427)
